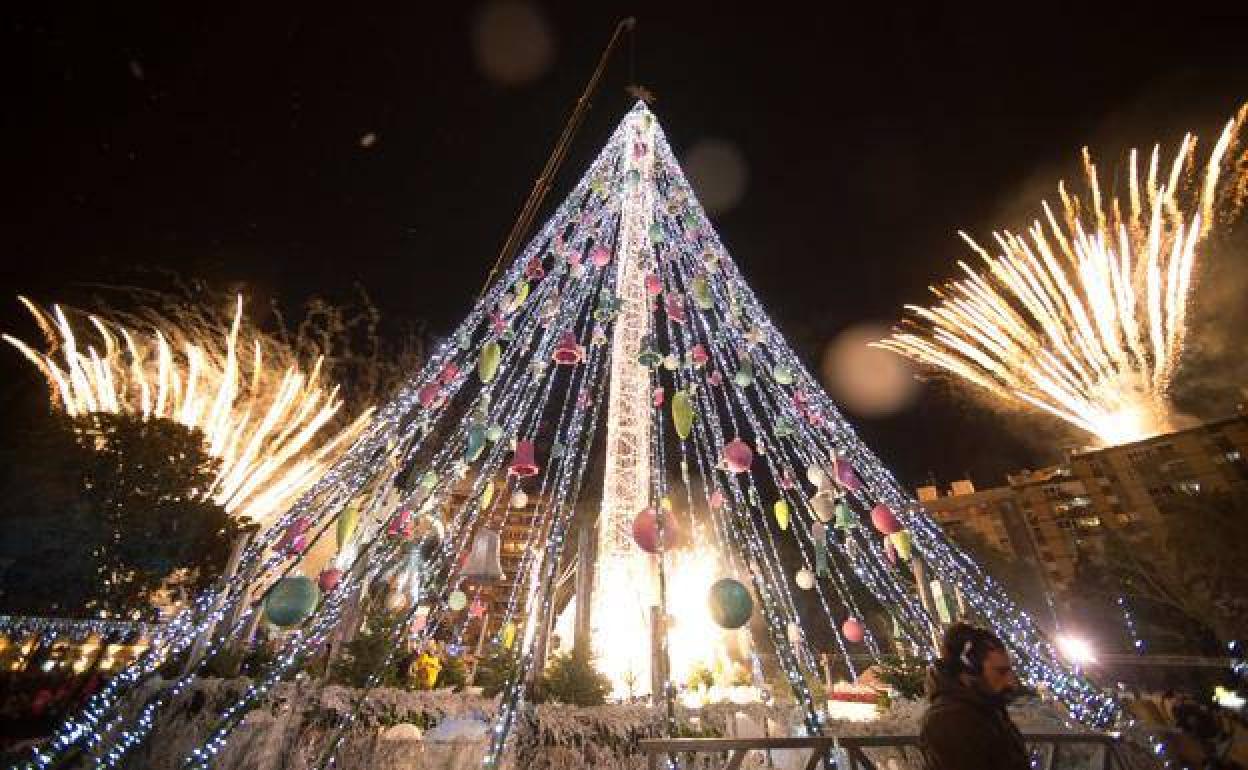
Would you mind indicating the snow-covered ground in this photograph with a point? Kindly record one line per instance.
(406, 729)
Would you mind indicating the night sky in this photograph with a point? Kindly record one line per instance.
(230, 145)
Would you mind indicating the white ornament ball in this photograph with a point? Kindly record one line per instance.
(816, 476)
(805, 579)
(519, 499)
(794, 633)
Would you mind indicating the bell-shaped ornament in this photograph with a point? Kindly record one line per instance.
(483, 565)
(844, 516)
(568, 352)
(648, 356)
(524, 464)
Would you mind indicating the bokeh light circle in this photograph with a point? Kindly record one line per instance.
(719, 174)
(512, 42)
(867, 381)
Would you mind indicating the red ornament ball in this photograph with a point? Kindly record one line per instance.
(646, 531)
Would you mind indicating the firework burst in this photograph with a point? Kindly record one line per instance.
(270, 423)
(1084, 315)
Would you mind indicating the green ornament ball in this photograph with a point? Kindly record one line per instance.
(291, 601)
(731, 605)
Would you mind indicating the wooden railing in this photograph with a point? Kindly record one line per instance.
(824, 749)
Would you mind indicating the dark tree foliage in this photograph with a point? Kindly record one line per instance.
(495, 671)
(905, 674)
(105, 513)
(1185, 585)
(573, 679)
(366, 653)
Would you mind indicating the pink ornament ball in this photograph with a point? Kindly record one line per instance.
(738, 457)
(646, 531)
(884, 520)
(329, 579)
(853, 630)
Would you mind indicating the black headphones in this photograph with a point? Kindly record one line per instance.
(974, 646)
(969, 660)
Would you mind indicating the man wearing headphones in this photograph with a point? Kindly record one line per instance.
(966, 727)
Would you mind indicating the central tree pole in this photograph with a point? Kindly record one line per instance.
(624, 579)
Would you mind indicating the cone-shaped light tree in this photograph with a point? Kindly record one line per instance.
(625, 310)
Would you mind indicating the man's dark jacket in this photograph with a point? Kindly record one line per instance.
(964, 729)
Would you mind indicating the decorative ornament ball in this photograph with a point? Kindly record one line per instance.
(646, 531)
(884, 519)
(329, 579)
(730, 602)
(737, 456)
(815, 475)
(824, 505)
(291, 601)
(519, 499)
(396, 601)
(805, 579)
(853, 630)
(457, 600)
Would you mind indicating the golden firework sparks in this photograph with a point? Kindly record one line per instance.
(270, 424)
(1084, 315)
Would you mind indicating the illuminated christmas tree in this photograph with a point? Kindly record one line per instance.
(624, 311)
